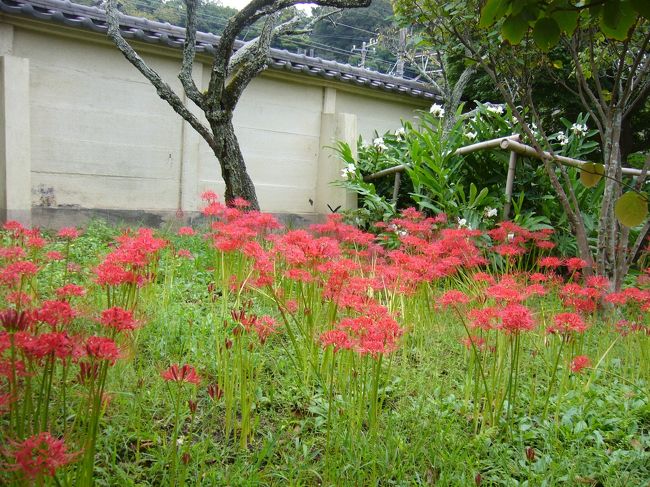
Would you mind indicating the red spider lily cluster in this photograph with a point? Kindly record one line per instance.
(338, 294)
(49, 341)
(39, 456)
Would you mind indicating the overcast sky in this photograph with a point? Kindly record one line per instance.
(238, 4)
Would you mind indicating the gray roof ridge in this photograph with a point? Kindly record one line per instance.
(94, 18)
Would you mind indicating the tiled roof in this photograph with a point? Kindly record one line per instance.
(94, 19)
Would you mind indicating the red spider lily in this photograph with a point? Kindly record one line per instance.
(552, 262)
(538, 277)
(184, 253)
(185, 373)
(264, 327)
(505, 291)
(186, 231)
(39, 346)
(484, 318)
(13, 320)
(112, 274)
(5, 341)
(102, 348)
(5, 401)
(625, 327)
(118, 319)
(580, 362)
(16, 228)
(339, 339)
(10, 368)
(598, 282)
(453, 298)
(475, 341)
(18, 298)
(534, 290)
(13, 272)
(69, 233)
(567, 323)
(334, 227)
(544, 244)
(374, 333)
(215, 392)
(209, 195)
(575, 264)
(55, 313)
(580, 298)
(213, 209)
(70, 290)
(12, 253)
(509, 250)
(39, 455)
(35, 241)
(516, 318)
(239, 202)
(54, 255)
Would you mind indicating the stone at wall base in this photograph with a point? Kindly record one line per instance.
(55, 218)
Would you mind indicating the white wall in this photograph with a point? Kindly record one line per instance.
(101, 138)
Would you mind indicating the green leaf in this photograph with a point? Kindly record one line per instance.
(514, 29)
(567, 20)
(491, 11)
(642, 7)
(546, 33)
(631, 209)
(616, 19)
(591, 174)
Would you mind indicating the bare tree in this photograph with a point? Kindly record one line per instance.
(231, 72)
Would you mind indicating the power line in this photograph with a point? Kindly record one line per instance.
(309, 42)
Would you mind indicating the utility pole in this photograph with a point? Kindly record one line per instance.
(401, 52)
(364, 50)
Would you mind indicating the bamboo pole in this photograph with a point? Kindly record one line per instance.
(487, 144)
(526, 150)
(398, 180)
(510, 143)
(510, 180)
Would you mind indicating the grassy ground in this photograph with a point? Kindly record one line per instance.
(419, 418)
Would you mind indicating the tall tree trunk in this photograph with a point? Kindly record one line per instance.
(610, 241)
(231, 160)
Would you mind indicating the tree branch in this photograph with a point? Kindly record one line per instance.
(189, 52)
(162, 88)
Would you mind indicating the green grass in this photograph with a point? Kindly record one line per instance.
(598, 431)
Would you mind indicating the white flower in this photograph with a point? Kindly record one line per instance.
(579, 129)
(562, 138)
(400, 133)
(348, 171)
(462, 222)
(490, 212)
(180, 440)
(470, 135)
(378, 144)
(437, 110)
(402, 233)
(498, 109)
(511, 237)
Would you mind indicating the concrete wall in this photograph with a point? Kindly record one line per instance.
(81, 128)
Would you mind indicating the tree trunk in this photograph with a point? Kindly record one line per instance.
(231, 160)
(611, 245)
